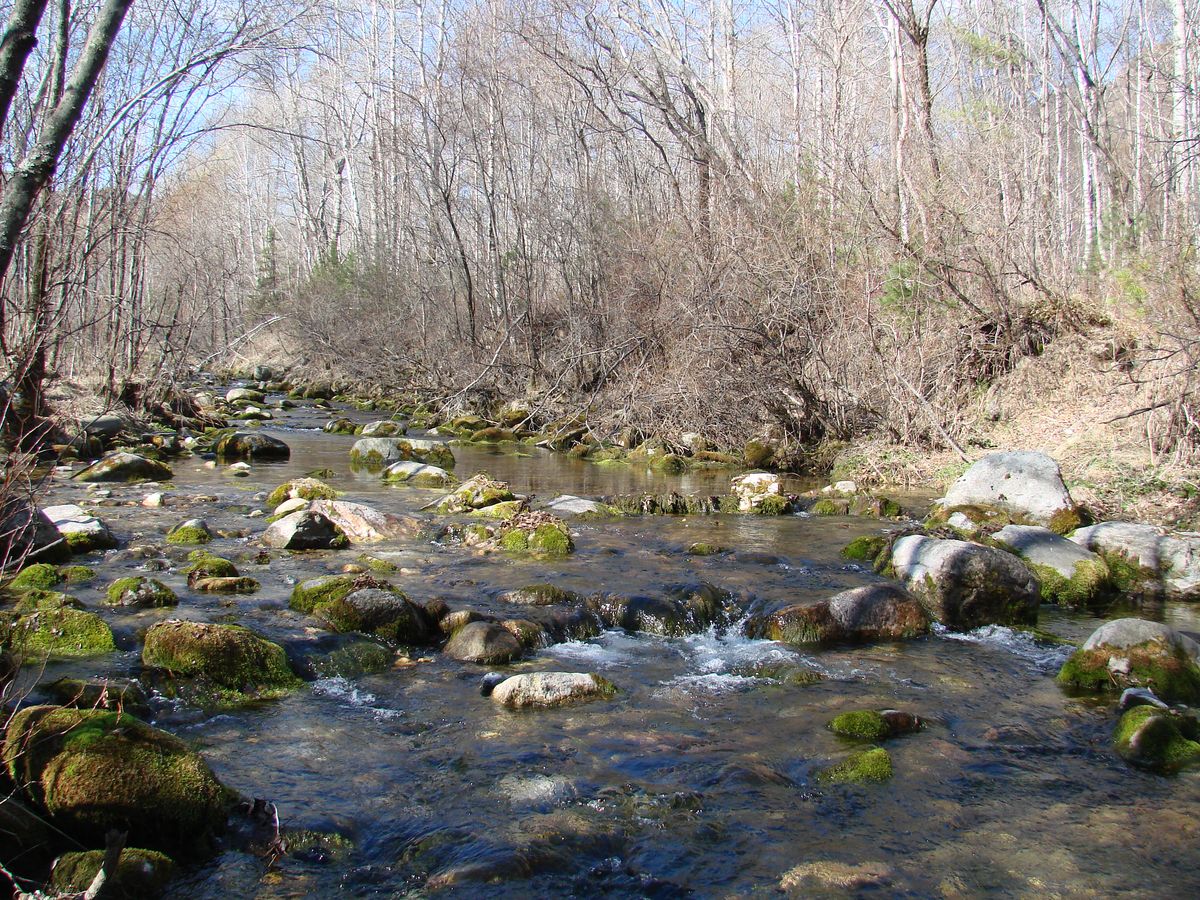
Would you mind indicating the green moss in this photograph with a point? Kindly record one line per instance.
(773, 505)
(403, 623)
(39, 576)
(303, 488)
(210, 567)
(1067, 520)
(79, 542)
(51, 624)
(1088, 584)
(94, 770)
(1167, 671)
(530, 634)
(308, 595)
(340, 426)
(377, 565)
(76, 574)
(701, 548)
(139, 591)
(861, 725)
(827, 507)
(1152, 738)
(866, 548)
(229, 585)
(187, 533)
(541, 595)
(327, 846)
(669, 464)
(504, 510)
(1127, 575)
(515, 541)
(139, 873)
(551, 540)
(874, 765)
(351, 660)
(232, 664)
(607, 689)
(757, 455)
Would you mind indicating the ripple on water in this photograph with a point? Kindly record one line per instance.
(339, 688)
(1040, 654)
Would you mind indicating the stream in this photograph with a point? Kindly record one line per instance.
(699, 777)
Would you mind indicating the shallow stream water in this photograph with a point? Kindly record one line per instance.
(699, 777)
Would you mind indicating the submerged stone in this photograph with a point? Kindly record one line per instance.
(866, 766)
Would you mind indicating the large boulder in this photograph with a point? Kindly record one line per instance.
(26, 534)
(82, 531)
(250, 445)
(965, 585)
(364, 524)
(1146, 557)
(385, 613)
(305, 529)
(217, 666)
(1023, 487)
(1069, 575)
(45, 623)
(95, 770)
(1134, 652)
(547, 689)
(484, 642)
(123, 466)
(874, 612)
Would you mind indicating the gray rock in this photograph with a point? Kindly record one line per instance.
(384, 428)
(364, 524)
(547, 689)
(262, 373)
(378, 451)
(27, 534)
(1043, 547)
(245, 395)
(123, 466)
(874, 612)
(1121, 634)
(303, 530)
(105, 426)
(1136, 696)
(82, 530)
(1024, 484)
(965, 585)
(417, 474)
(483, 642)
(388, 614)
(568, 505)
(1166, 560)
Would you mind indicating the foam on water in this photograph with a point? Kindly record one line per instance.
(339, 688)
(1041, 654)
(609, 650)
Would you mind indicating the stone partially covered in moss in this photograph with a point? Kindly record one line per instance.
(703, 548)
(117, 694)
(866, 548)
(301, 489)
(218, 666)
(536, 533)
(76, 574)
(52, 624)
(239, 585)
(250, 445)
(505, 510)
(140, 591)
(140, 873)
(478, 492)
(193, 531)
(309, 594)
(340, 656)
(95, 770)
(872, 725)
(1136, 653)
(1157, 739)
(122, 466)
(38, 577)
(541, 595)
(866, 766)
(669, 464)
(206, 566)
(385, 613)
(874, 612)
(1069, 574)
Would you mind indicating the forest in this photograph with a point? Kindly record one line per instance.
(841, 221)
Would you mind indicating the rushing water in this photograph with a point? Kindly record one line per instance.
(699, 777)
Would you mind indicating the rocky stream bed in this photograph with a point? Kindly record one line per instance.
(504, 686)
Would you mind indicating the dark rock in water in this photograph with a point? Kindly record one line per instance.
(484, 642)
(338, 655)
(304, 530)
(541, 595)
(965, 585)
(388, 614)
(262, 373)
(489, 682)
(870, 725)
(122, 466)
(96, 770)
(874, 612)
(139, 873)
(250, 445)
(116, 694)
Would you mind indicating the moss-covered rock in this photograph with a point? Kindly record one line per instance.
(117, 694)
(757, 455)
(504, 510)
(773, 505)
(1157, 739)
(122, 466)
(874, 612)
(218, 666)
(139, 873)
(1135, 653)
(478, 492)
(250, 445)
(234, 585)
(484, 642)
(341, 656)
(1088, 585)
(52, 624)
(704, 548)
(865, 548)
(309, 594)
(76, 574)
(38, 577)
(94, 770)
(140, 591)
(541, 595)
(207, 566)
(301, 489)
(866, 766)
(861, 725)
(384, 612)
(193, 531)
(551, 539)
(830, 506)
(669, 464)
(340, 426)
